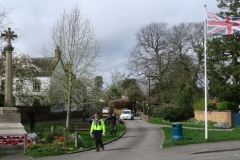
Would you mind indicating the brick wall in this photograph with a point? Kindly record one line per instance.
(215, 116)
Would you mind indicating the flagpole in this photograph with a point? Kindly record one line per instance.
(205, 72)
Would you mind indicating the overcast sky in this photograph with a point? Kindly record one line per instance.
(115, 23)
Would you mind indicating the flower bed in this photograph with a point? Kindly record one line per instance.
(14, 140)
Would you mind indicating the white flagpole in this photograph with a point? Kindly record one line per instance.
(205, 72)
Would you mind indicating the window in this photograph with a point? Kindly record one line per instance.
(126, 112)
(19, 86)
(36, 102)
(36, 86)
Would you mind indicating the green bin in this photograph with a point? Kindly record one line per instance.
(177, 131)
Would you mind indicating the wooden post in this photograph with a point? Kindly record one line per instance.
(64, 130)
(25, 143)
(52, 129)
(76, 139)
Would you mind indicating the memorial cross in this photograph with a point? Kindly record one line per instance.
(9, 36)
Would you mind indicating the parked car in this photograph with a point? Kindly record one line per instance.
(105, 110)
(127, 114)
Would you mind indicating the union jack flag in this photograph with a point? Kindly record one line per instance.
(217, 24)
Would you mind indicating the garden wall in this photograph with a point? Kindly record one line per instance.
(215, 116)
(41, 113)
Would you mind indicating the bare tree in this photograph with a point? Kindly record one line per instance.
(169, 53)
(79, 48)
(117, 79)
(4, 20)
(3, 16)
(186, 63)
(151, 53)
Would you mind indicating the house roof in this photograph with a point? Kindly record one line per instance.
(46, 64)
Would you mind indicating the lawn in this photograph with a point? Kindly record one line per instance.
(192, 136)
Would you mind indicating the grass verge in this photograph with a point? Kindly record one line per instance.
(192, 136)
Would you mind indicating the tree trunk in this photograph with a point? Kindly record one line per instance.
(69, 97)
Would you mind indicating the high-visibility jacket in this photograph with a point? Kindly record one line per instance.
(99, 126)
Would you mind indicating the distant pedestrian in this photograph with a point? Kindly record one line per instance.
(90, 119)
(98, 129)
(32, 122)
(113, 124)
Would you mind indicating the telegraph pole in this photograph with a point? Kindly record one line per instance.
(149, 92)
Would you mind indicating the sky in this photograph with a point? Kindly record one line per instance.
(115, 23)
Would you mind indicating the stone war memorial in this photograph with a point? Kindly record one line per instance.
(12, 134)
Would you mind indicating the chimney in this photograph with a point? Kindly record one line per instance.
(57, 52)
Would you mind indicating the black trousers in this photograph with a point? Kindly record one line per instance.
(98, 138)
(32, 127)
(113, 129)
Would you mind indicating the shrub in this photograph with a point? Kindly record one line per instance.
(169, 112)
(70, 138)
(119, 104)
(185, 96)
(58, 130)
(200, 105)
(57, 144)
(156, 111)
(222, 125)
(34, 146)
(50, 138)
(237, 129)
(212, 106)
(225, 105)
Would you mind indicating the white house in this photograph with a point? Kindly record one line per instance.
(37, 91)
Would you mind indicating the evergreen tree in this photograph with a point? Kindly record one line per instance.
(223, 54)
(229, 7)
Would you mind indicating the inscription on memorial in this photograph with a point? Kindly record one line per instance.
(9, 115)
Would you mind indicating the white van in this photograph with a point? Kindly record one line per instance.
(127, 114)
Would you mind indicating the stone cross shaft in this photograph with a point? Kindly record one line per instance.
(8, 68)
